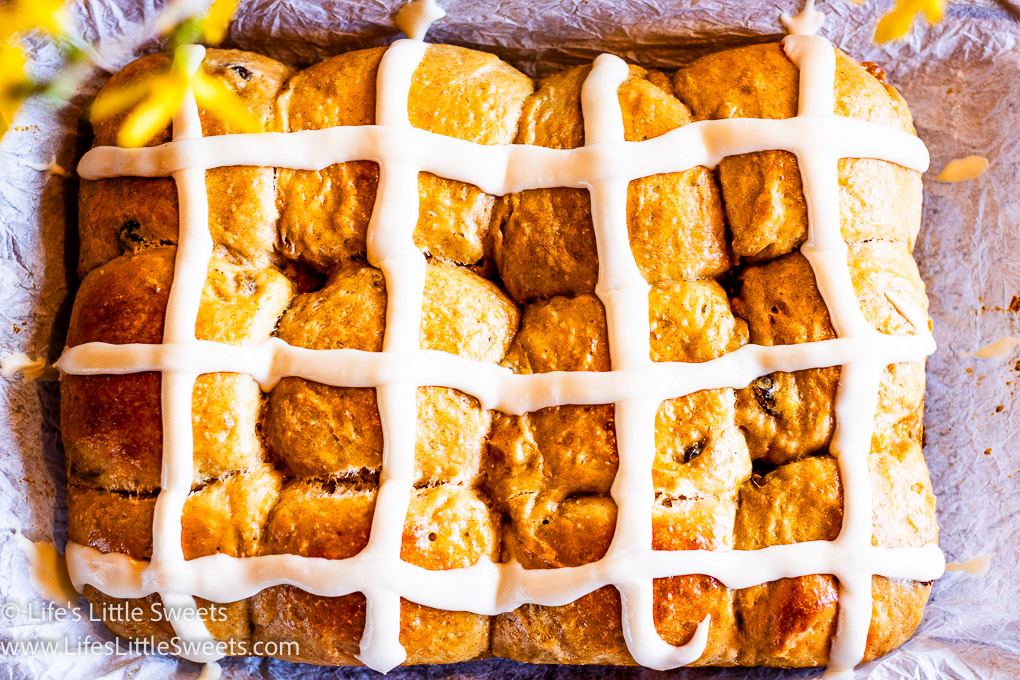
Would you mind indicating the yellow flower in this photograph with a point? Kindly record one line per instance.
(161, 96)
(209, 28)
(28, 15)
(897, 22)
(214, 24)
(14, 83)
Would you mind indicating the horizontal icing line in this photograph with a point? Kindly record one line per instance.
(486, 588)
(496, 387)
(515, 167)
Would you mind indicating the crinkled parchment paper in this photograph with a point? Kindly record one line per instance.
(962, 80)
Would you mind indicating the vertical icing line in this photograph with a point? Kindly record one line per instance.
(194, 248)
(632, 488)
(621, 287)
(194, 241)
(638, 598)
(624, 295)
(600, 105)
(416, 18)
(390, 243)
(857, 394)
(816, 59)
(808, 22)
(634, 493)
(856, 401)
(825, 250)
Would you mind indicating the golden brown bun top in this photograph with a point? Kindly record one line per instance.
(125, 301)
(129, 214)
(760, 81)
(455, 92)
(689, 321)
(447, 526)
(317, 430)
(803, 501)
(552, 117)
(112, 424)
(885, 278)
(762, 192)
(226, 516)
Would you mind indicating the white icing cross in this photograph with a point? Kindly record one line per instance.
(636, 385)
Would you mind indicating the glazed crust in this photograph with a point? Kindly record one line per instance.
(510, 280)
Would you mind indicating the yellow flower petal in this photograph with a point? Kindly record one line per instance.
(934, 10)
(219, 100)
(897, 22)
(29, 15)
(48, 15)
(12, 65)
(13, 82)
(9, 24)
(8, 109)
(112, 101)
(153, 114)
(217, 20)
(893, 26)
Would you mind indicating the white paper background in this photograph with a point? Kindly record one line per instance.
(962, 80)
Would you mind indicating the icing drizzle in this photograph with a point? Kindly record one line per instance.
(48, 571)
(604, 165)
(416, 17)
(29, 368)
